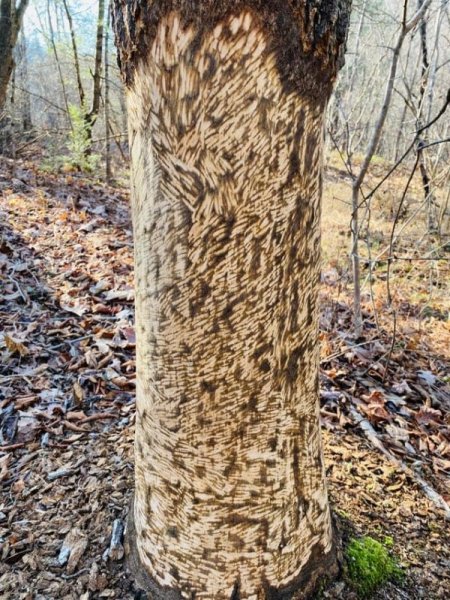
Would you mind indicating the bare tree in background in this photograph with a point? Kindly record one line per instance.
(92, 115)
(106, 99)
(406, 26)
(76, 59)
(11, 17)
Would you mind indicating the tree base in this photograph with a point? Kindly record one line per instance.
(318, 571)
(142, 579)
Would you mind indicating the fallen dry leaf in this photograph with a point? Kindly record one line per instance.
(14, 345)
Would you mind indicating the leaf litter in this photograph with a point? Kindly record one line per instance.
(67, 381)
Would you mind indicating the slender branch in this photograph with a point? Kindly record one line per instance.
(394, 225)
(392, 346)
(445, 141)
(405, 13)
(75, 54)
(93, 113)
(58, 64)
(411, 146)
(416, 18)
(43, 98)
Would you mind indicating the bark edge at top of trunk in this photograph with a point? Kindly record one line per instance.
(308, 37)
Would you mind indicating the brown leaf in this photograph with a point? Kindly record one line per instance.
(441, 464)
(73, 427)
(427, 416)
(25, 401)
(15, 346)
(375, 406)
(78, 394)
(76, 310)
(401, 388)
(397, 433)
(375, 397)
(75, 415)
(376, 412)
(129, 334)
(18, 486)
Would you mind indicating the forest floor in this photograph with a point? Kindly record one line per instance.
(67, 397)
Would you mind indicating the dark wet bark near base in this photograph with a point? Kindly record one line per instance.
(139, 574)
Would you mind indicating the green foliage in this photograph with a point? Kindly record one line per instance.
(80, 158)
(369, 565)
(79, 142)
(53, 160)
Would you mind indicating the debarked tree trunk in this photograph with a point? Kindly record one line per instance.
(226, 102)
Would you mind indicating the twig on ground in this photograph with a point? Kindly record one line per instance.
(97, 417)
(70, 341)
(73, 427)
(348, 349)
(65, 471)
(75, 575)
(19, 289)
(374, 439)
(12, 447)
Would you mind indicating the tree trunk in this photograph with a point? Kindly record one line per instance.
(226, 102)
(10, 23)
(58, 62)
(76, 59)
(421, 109)
(92, 115)
(106, 99)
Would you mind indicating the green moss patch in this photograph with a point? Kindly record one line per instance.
(370, 565)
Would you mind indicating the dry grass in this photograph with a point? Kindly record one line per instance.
(424, 282)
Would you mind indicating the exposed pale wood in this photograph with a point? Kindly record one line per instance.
(230, 498)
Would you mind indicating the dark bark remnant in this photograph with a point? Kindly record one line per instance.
(140, 575)
(307, 36)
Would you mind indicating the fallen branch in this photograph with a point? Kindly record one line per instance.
(11, 447)
(66, 471)
(63, 472)
(75, 575)
(374, 439)
(97, 417)
(73, 427)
